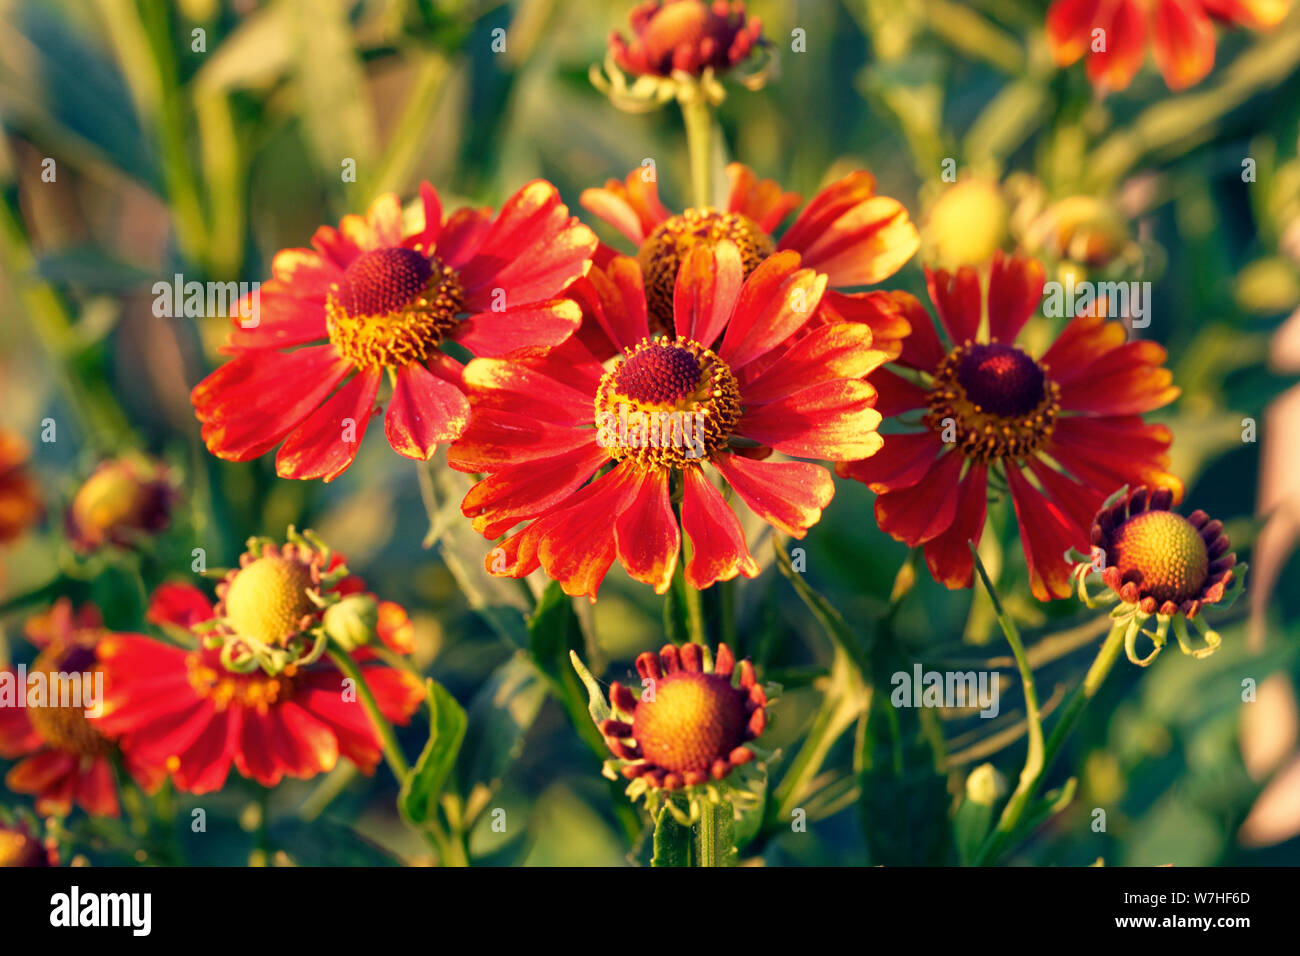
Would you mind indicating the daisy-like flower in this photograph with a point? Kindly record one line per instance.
(1114, 35)
(694, 723)
(645, 425)
(372, 301)
(123, 501)
(1061, 431)
(1157, 562)
(20, 499)
(848, 232)
(194, 713)
(64, 757)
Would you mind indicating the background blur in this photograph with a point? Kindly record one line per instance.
(171, 158)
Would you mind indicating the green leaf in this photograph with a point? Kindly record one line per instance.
(499, 717)
(326, 843)
(447, 724)
(597, 706)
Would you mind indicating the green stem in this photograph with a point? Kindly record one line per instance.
(695, 616)
(1073, 710)
(714, 831)
(1034, 757)
(383, 729)
(698, 117)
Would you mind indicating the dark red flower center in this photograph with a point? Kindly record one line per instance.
(693, 720)
(667, 403)
(393, 306)
(1001, 379)
(383, 281)
(993, 401)
(659, 375)
(1167, 551)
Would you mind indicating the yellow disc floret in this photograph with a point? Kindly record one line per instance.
(267, 599)
(1167, 551)
(693, 720)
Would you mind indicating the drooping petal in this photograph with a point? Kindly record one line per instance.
(1126, 381)
(614, 297)
(1124, 36)
(1109, 452)
(326, 443)
(1069, 29)
(646, 533)
(577, 551)
(1182, 42)
(789, 495)
(250, 403)
(1046, 533)
(425, 410)
(515, 493)
(498, 439)
(903, 461)
(895, 394)
(948, 555)
(957, 300)
(718, 551)
(920, 512)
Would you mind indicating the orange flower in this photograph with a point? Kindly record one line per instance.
(371, 301)
(590, 457)
(847, 232)
(1113, 34)
(20, 500)
(1062, 430)
(65, 759)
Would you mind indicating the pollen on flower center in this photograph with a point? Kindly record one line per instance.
(667, 404)
(993, 401)
(694, 719)
(392, 307)
(664, 250)
(267, 599)
(66, 728)
(256, 690)
(1166, 550)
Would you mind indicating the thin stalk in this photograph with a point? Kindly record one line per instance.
(383, 729)
(698, 118)
(1073, 710)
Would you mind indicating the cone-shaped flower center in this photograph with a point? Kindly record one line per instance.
(667, 403)
(693, 720)
(1167, 551)
(66, 728)
(664, 250)
(993, 401)
(392, 307)
(267, 599)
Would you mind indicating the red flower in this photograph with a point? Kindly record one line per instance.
(125, 500)
(1114, 35)
(65, 759)
(186, 713)
(1063, 430)
(847, 232)
(687, 36)
(19, 846)
(20, 499)
(371, 298)
(644, 427)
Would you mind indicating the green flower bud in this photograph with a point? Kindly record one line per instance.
(351, 622)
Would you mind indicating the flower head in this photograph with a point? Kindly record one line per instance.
(686, 36)
(1157, 562)
(564, 436)
(124, 500)
(193, 713)
(20, 499)
(847, 231)
(374, 301)
(1113, 34)
(693, 724)
(1062, 429)
(63, 758)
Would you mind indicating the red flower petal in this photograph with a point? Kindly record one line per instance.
(513, 494)
(1182, 42)
(249, 404)
(632, 206)
(1125, 37)
(646, 533)
(948, 555)
(510, 385)
(762, 200)
(498, 439)
(462, 235)
(424, 411)
(831, 420)
(537, 325)
(957, 301)
(718, 551)
(707, 290)
(922, 511)
(1046, 534)
(866, 244)
(1015, 291)
(204, 766)
(1069, 29)
(96, 790)
(426, 239)
(885, 313)
(902, 462)
(326, 443)
(776, 301)
(1126, 381)
(183, 605)
(895, 394)
(574, 549)
(789, 495)
(840, 351)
